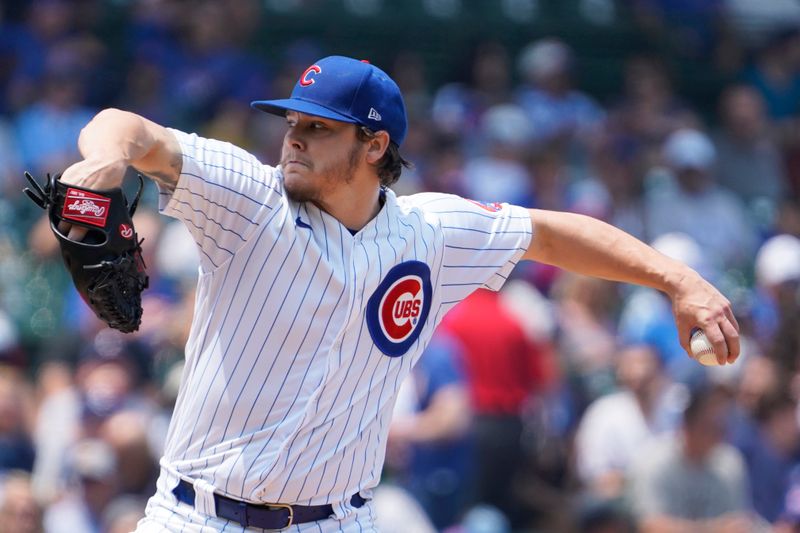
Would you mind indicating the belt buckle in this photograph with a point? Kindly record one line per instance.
(286, 506)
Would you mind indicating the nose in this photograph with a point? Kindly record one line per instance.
(292, 139)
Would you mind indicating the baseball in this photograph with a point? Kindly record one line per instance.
(702, 350)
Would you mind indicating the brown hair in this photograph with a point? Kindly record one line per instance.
(391, 164)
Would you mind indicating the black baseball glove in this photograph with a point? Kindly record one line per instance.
(106, 265)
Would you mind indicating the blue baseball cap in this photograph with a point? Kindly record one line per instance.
(348, 90)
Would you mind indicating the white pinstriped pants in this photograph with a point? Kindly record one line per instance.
(164, 513)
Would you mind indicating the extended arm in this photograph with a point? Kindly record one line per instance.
(588, 246)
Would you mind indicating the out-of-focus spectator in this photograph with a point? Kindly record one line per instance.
(483, 519)
(123, 513)
(690, 27)
(212, 69)
(428, 435)
(10, 351)
(789, 520)
(770, 453)
(12, 162)
(757, 380)
(690, 201)
(559, 112)
(551, 177)
(776, 74)
(126, 433)
(587, 341)
(408, 70)
(693, 480)
(504, 368)
(612, 190)
(106, 383)
(748, 160)
(458, 107)
(48, 129)
(92, 466)
(598, 515)
(47, 26)
(777, 271)
(397, 511)
(16, 447)
(20, 512)
(648, 111)
(444, 169)
(500, 175)
(755, 22)
(616, 428)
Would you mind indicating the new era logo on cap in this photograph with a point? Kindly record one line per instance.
(349, 90)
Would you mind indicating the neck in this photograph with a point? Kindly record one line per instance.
(352, 206)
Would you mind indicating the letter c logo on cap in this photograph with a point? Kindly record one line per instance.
(306, 79)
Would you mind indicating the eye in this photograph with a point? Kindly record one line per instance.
(318, 126)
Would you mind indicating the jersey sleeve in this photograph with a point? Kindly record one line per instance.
(224, 193)
(482, 242)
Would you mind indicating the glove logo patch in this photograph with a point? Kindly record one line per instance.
(86, 207)
(126, 231)
(398, 309)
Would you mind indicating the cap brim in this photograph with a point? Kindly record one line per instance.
(279, 107)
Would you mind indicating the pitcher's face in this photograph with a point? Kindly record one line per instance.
(318, 155)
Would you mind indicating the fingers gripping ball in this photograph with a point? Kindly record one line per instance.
(106, 266)
(702, 350)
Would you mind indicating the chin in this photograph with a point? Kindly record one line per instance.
(299, 188)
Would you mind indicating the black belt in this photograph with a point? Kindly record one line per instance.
(265, 516)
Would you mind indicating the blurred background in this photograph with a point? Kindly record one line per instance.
(559, 404)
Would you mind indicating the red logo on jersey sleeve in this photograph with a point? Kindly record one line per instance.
(492, 207)
(86, 207)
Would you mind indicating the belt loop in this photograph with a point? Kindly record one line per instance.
(204, 498)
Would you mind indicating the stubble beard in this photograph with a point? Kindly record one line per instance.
(312, 186)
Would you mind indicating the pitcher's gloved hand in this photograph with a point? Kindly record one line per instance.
(106, 264)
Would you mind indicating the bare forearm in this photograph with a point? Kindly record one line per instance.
(115, 139)
(116, 134)
(591, 247)
(588, 246)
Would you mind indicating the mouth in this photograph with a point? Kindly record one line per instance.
(295, 162)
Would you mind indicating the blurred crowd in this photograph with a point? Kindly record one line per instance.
(561, 403)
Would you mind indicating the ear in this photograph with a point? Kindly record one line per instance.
(377, 146)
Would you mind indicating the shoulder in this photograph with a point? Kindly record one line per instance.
(439, 205)
(425, 201)
(221, 155)
(423, 207)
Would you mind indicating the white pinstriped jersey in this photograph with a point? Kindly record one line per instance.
(303, 332)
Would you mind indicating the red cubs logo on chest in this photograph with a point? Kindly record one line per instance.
(397, 310)
(400, 308)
